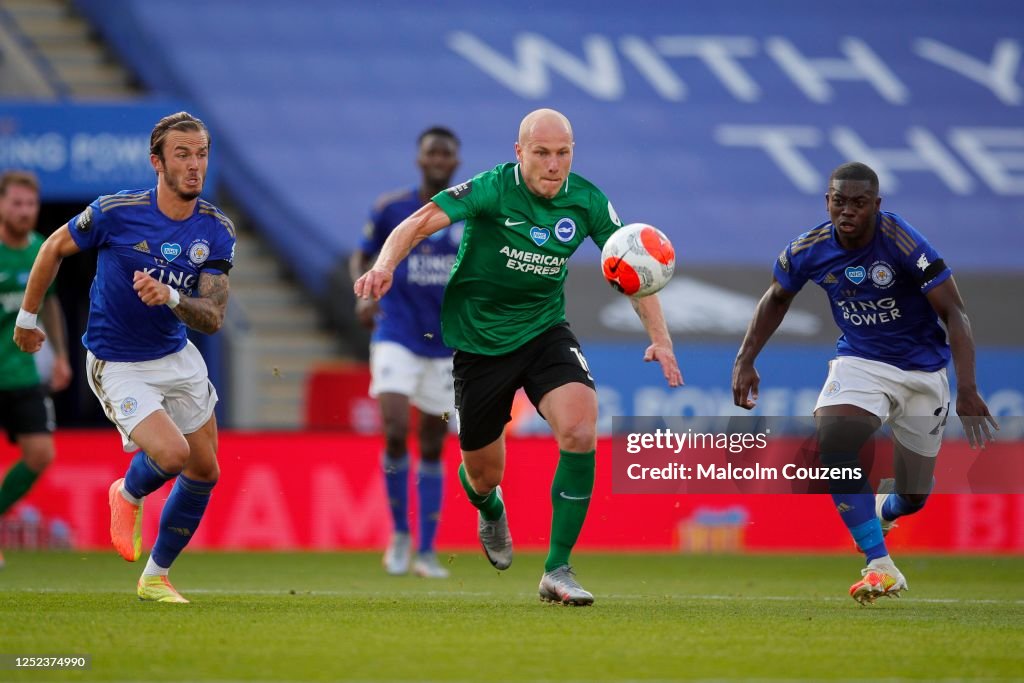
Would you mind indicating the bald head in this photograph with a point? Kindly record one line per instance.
(544, 151)
(543, 122)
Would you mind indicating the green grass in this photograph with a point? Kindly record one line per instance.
(304, 617)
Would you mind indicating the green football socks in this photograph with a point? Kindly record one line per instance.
(16, 484)
(490, 506)
(570, 497)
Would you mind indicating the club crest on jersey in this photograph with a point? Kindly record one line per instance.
(129, 406)
(198, 252)
(170, 251)
(565, 229)
(856, 275)
(882, 274)
(539, 235)
(832, 388)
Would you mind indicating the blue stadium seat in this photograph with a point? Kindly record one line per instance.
(315, 107)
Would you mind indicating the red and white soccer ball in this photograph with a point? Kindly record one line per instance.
(638, 260)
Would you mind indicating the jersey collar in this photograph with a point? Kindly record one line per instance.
(565, 188)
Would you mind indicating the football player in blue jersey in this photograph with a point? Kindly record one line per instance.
(163, 259)
(888, 289)
(409, 362)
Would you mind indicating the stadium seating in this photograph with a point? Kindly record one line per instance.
(717, 123)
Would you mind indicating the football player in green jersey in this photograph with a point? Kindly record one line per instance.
(504, 314)
(25, 406)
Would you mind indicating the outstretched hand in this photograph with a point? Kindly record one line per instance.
(374, 284)
(667, 359)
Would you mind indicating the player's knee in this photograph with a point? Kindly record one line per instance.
(171, 457)
(396, 434)
(394, 446)
(208, 472)
(580, 437)
(430, 451)
(483, 480)
(38, 458)
(844, 435)
(486, 482)
(431, 446)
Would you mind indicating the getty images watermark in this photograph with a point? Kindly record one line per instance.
(747, 454)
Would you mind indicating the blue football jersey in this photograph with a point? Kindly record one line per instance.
(130, 234)
(877, 292)
(410, 313)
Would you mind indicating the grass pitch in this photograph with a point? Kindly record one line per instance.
(311, 617)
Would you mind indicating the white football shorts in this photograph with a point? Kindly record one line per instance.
(914, 403)
(129, 392)
(427, 382)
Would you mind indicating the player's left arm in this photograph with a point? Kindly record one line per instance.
(53, 322)
(602, 224)
(204, 313)
(946, 300)
(653, 319)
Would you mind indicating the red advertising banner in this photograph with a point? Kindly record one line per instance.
(285, 491)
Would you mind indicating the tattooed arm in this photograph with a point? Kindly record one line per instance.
(204, 313)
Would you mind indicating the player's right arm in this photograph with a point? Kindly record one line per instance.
(768, 315)
(56, 248)
(427, 220)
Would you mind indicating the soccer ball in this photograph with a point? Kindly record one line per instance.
(638, 260)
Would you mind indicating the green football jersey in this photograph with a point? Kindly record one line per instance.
(508, 282)
(17, 369)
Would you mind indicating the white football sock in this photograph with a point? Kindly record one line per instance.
(153, 569)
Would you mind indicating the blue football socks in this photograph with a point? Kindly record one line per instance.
(896, 505)
(857, 511)
(180, 519)
(396, 480)
(144, 476)
(430, 476)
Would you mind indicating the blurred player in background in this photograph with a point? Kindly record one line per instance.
(504, 314)
(409, 362)
(25, 405)
(164, 255)
(888, 288)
